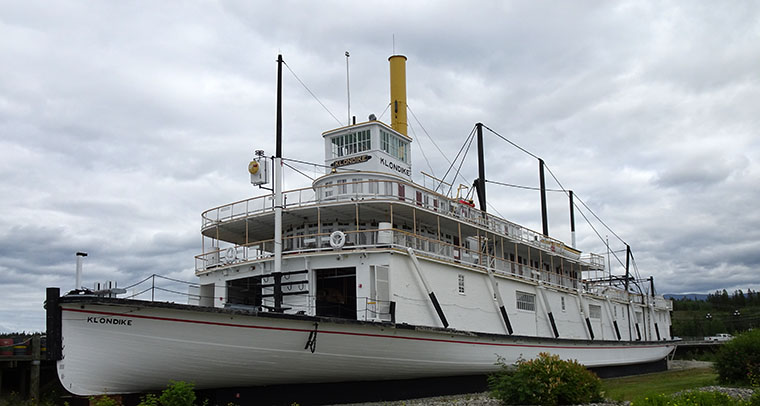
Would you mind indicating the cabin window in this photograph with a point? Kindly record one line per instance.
(342, 189)
(562, 300)
(526, 301)
(351, 143)
(460, 279)
(328, 189)
(595, 311)
(373, 187)
(614, 311)
(394, 146)
(357, 186)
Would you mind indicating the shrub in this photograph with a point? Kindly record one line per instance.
(546, 380)
(738, 360)
(148, 400)
(103, 400)
(178, 393)
(755, 399)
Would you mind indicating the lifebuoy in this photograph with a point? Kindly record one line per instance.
(231, 254)
(337, 239)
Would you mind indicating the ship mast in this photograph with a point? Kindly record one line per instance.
(277, 170)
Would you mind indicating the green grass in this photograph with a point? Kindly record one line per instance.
(641, 386)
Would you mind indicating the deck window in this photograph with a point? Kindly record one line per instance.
(328, 189)
(595, 311)
(526, 301)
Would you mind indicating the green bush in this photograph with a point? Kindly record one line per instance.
(755, 399)
(103, 400)
(178, 393)
(738, 360)
(149, 400)
(693, 398)
(546, 380)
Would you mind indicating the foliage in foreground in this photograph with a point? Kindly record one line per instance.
(738, 360)
(697, 398)
(546, 380)
(177, 393)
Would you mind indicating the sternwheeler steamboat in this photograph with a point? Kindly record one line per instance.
(363, 276)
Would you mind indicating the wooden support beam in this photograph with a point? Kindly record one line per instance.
(34, 371)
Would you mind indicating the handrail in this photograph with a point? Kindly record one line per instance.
(369, 239)
(441, 204)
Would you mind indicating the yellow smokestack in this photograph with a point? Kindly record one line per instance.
(398, 93)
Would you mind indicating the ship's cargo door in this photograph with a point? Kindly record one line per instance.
(336, 292)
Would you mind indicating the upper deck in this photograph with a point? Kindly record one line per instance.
(415, 216)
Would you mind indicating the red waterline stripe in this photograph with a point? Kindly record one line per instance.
(214, 323)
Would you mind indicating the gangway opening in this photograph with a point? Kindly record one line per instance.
(336, 292)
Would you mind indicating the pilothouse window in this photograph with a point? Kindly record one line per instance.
(351, 143)
(394, 146)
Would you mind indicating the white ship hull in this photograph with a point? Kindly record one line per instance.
(116, 346)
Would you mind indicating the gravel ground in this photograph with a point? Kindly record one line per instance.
(736, 393)
(471, 399)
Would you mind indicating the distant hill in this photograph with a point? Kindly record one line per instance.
(692, 296)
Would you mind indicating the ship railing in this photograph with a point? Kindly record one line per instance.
(369, 239)
(376, 310)
(603, 288)
(662, 303)
(392, 191)
(595, 261)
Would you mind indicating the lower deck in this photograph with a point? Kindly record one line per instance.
(385, 285)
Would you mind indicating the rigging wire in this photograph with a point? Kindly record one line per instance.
(513, 144)
(472, 138)
(297, 170)
(306, 162)
(566, 192)
(428, 135)
(521, 187)
(387, 106)
(441, 152)
(600, 220)
(174, 280)
(422, 150)
(451, 164)
(312, 93)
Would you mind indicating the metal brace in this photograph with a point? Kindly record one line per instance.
(311, 343)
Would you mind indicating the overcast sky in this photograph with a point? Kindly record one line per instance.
(120, 122)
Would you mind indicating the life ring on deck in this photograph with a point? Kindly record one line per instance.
(337, 239)
(230, 254)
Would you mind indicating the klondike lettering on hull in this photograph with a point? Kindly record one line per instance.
(109, 320)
